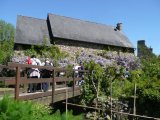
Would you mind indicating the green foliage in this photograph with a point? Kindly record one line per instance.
(57, 115)
(22, 110)
(70, 116)
(46, 52)
(31, 51)
(6, 41)
(56, 53)
(26, 110)
(6, 51)
(10, 109)
(93, 82)
(41, 112)
(99, 82)
(147, 80)
(7, 31)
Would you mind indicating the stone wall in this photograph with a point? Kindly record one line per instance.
(76, 47)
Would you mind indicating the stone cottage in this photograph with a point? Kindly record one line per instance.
(71, 35)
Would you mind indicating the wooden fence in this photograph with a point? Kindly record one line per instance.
(57, 94)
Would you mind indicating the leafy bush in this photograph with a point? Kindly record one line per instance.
(41, 112)
(23, 110)
(6, 51)
(10, 109)
(26, 110)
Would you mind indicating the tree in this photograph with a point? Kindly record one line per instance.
(7, 32)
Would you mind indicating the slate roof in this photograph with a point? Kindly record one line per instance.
(75, 29)
(31, 31)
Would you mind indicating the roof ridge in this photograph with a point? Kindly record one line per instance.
(103, 24)
(32, 17)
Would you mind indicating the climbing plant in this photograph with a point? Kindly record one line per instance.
(92, 87)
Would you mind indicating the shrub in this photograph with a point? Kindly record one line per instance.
(26, 110)
(10, 109)
(22, 110)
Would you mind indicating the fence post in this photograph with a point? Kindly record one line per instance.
(111, 97)
(66, 103)
(73, 82)
(134, 109)
(53, 85)
(17, 82)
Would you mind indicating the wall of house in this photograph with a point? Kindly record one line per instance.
(74, 47)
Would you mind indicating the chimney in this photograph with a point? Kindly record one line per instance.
(119, 26)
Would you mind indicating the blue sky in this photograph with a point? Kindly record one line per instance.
(140, 18)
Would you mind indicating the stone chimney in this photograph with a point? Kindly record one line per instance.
(119, 26)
